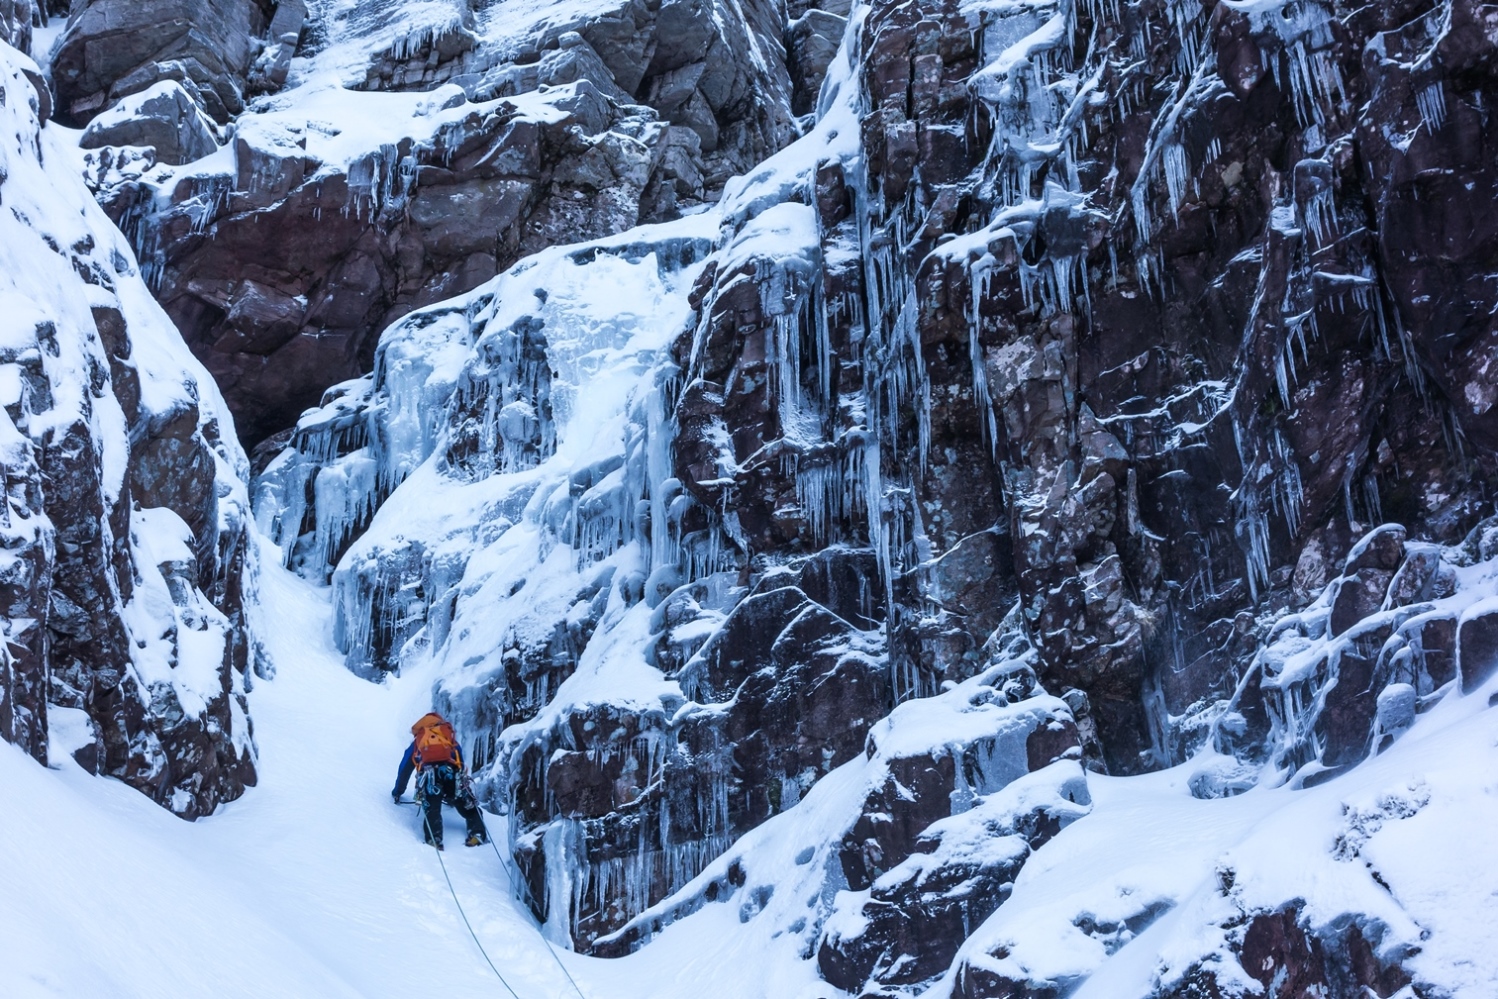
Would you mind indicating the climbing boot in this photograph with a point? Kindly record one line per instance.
(475, 839)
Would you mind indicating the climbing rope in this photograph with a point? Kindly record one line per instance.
(530, 902)
(453, 892)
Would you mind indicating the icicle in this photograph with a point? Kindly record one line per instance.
(1431, 100)
(979, 276)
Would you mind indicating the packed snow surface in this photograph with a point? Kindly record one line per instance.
(316, 884)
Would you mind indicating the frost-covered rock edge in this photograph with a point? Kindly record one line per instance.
(127, 537)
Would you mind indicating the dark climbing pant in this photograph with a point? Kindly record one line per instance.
(443, 783)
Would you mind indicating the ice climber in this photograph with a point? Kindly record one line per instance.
(437, 761)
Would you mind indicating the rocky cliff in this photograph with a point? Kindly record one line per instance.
(126, 518)
(884, 416)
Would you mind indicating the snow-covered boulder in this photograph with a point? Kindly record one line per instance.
(164, 116)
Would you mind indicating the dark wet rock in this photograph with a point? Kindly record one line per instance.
(1437, 650)
(1477, 649)
(16, 17)
(1381, 550)
(953, 800)
(1343, 678)
(1359, 595)
(1279, 952)
(1346, 720)
(1423, 576)
(812, 41)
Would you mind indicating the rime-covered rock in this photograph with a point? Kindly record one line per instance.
(126, 513)
(715, 68)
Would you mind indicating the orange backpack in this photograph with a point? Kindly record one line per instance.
(435, 741)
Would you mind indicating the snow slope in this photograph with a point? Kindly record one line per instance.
(316, 884)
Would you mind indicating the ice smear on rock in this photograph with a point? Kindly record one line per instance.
(517, 445)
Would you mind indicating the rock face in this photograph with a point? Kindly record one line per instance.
(795, 688)
(915, 839)
(813, 36)
(114, 48)
(1172, 426)
(125, 545)
(301, 257)
(282, 263)
(938, 844)
(716, 69)
(164, 117)
(1279, 953)
(698, 384)
(15, 23)
(1070, 358)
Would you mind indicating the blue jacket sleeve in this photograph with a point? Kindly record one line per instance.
(403, 776)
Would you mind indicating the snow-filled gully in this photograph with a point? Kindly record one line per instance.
(316, 884)
(484, 459)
